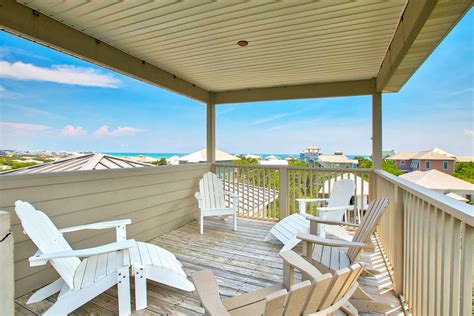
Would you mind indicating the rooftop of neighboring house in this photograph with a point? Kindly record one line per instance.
(201, 156)
(311, 149)
(437, 180)
(338, 157)
(80, 163)
(433, 154)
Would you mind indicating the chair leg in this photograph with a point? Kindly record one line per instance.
(201, 224)
(235, 221)
(140, 288)
(123, 284)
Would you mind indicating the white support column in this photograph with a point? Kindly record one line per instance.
(211, 129)
(377, 130)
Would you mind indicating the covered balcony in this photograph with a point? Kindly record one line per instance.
(234, 52)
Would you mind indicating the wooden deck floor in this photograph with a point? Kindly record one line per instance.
(241, 261)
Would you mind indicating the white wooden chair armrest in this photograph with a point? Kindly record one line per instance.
(312, 200)
(235, 198)
(328, 221)
(292, 259)
(198, 196)
(101, 225)
(208, 291)
(333, 242)
(335, 208)
(232, 194)
(82, 253)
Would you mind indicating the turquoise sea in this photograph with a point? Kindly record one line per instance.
(168, 155)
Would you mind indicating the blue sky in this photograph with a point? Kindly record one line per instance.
(82, 107)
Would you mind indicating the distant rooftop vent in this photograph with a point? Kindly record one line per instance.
(338, 153)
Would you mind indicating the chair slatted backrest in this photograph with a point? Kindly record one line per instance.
(341, 193)
(47, 237)
(212, 191)
(367, 226)
(326, 294)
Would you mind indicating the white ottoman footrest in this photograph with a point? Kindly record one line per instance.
(155, 263)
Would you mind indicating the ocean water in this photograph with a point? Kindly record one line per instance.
(168, 155)
(152, 155)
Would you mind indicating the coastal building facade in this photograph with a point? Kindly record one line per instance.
(434, 159)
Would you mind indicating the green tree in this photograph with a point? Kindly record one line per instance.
(387, 165)
(160, 162)
(464, 171)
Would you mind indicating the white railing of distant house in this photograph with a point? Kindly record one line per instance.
(428, 239)
(270, 192)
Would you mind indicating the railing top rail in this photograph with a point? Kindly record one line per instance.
(292, 168)
(460, 210)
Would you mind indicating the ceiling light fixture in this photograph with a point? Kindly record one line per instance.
(242, 43)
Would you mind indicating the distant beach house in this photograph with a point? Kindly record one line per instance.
(201, 156)
(310, 155)
(338, 160)
(80, 163)
(250, 156)
(442, 182)
(435, 158)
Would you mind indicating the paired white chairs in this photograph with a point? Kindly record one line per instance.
(321, 294)
(211, 200)
(337, 206)
(100, 268)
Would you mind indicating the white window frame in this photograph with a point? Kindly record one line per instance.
(427, 165)
(402, 162)
(445, 163)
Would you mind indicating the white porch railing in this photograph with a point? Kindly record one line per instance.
(270, 192)
(428, 239)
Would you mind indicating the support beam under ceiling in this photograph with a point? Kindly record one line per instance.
(23, 21)
(307, 91)
(423, 25)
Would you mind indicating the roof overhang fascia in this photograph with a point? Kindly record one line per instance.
(306, 91)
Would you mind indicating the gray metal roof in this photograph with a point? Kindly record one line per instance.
(86, 162)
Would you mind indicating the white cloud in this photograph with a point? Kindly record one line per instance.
(25, 110)
(269, 119)
(119, 131)
(64, 74)
(71, 131)
(469, 132)
(6, 94)
(24, 127)
(459, 92)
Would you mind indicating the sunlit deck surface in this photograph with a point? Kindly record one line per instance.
(241, 261)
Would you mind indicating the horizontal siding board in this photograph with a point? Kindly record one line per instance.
(59, 207)
(156, 199)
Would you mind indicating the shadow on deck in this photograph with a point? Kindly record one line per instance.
(241, 261)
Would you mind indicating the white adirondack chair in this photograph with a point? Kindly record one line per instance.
(211, 200)
(337, 205)
(321, 295)
(330, 255)
(102, 267)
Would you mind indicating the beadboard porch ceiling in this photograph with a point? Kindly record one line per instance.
(350, 47)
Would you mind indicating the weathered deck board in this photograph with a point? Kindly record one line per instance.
(241, 261)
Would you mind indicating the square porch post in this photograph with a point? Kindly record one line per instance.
(377, 130)
(211, 130)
